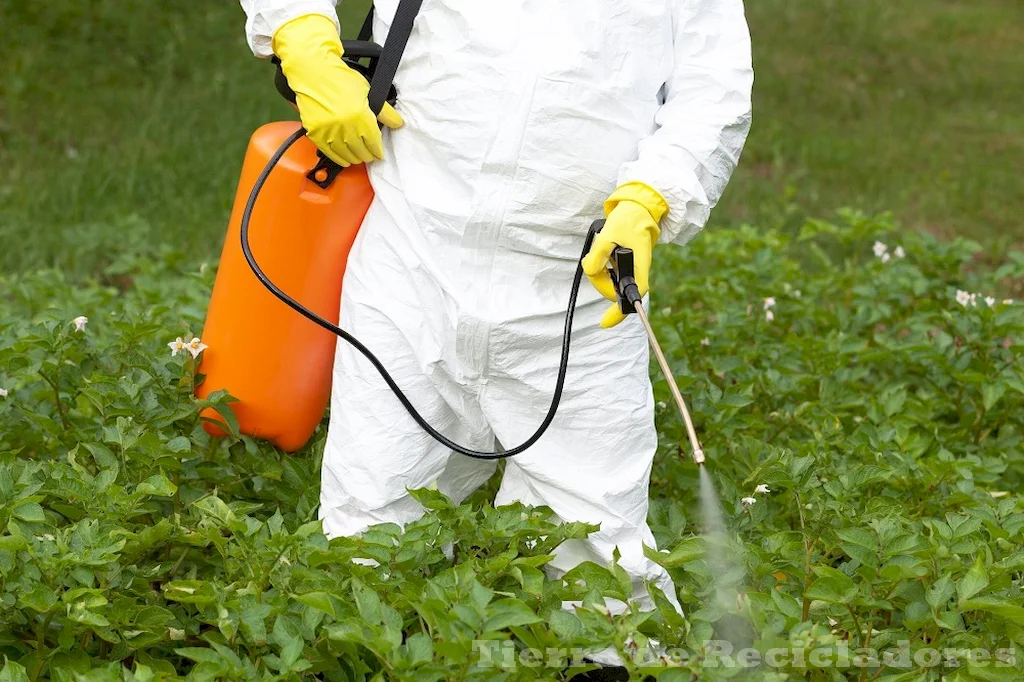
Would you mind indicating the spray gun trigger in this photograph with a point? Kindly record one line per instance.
(624, 278)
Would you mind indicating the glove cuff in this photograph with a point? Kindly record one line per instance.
(640, 193)
(307, 35)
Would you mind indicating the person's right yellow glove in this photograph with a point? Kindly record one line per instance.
(634, 211)
(330, 96)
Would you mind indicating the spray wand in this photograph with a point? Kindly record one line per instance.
(630, 301)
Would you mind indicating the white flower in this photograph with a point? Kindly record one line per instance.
(705, 341)
(899, 252)
(195, 347)
(1007, 301)
(885, 257)
(747, 501)
(769, 303)
(177, 346)
(3, 393)
(879, 248)
(962, 297)
(761, 489)
(991, 301)
(974, 300)
(769, 315)
(80, 323)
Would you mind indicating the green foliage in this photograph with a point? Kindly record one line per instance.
(884, 416)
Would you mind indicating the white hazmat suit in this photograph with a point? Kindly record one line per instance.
(521, 117)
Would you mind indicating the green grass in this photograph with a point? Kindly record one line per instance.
(915, 106)
(123, 124)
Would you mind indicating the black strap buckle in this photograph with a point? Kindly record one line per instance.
(325, 171)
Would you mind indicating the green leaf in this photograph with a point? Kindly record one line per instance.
(220, 402)
(787, 605)
(291, 651)
(13, 543)
(367, 602)
(190, 592)
(13, 672)
(991, 393)
(950, 620)
(158, 485)
(80, 614)
(999, 607)
(975, 580)
(198, 654)
(832, 586)
(917, 615)
(30, 511)
(687, 551)
(40, 598)
(318, 600)
(858, 536)
(531, 579)
(419, 649)
(505, 613)
(431, 499)
(565, 624)
(253, 621)
(179, 445)
(893, 401)
(215, 508)
(6, 485)
(737, 397)
(940, 592)
(590, 576)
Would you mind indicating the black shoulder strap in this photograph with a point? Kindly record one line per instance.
(367, 30)
(391, 56)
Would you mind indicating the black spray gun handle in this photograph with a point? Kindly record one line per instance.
(620, 268)
(326, 170)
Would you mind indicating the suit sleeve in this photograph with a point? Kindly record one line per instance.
(264, 17)
(705, 118)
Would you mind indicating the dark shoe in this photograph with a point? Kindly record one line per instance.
(603, 674)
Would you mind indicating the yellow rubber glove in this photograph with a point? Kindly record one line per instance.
(330, 96)
(633, 212)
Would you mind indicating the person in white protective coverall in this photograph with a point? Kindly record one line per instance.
(524, 120)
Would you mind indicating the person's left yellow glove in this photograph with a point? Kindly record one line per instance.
(633, 212)
(330, 95)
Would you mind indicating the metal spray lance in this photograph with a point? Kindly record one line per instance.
(630, 301)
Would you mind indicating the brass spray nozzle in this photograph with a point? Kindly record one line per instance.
(698, 451)
(630, 300)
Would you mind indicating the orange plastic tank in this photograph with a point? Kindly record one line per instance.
(273, 360)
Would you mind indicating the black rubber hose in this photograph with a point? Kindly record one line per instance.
(377, 364)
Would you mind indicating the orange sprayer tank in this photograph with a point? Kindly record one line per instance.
(274, 361)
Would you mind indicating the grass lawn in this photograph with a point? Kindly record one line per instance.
(123, 124)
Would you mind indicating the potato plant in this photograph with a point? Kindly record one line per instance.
(859, 391)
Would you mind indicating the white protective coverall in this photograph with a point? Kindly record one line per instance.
(521, 117)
